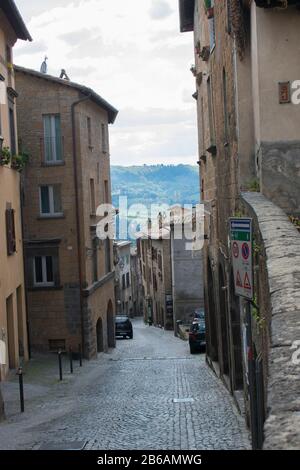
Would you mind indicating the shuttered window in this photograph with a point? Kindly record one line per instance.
(10, 231)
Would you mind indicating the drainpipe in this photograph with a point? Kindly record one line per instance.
(76, 103)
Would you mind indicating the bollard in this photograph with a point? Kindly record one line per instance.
(71, 360)
(21, 387)
(80, 355)
(60, 365)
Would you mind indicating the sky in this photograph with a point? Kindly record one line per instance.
(132, 54)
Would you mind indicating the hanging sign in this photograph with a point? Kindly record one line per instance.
(241, 254)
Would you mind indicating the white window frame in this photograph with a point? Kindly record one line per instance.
(53, 141)
(52, 213)
(44, 283)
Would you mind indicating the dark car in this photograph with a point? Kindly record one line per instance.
(124, 326)
(199, 314)
(197, 338)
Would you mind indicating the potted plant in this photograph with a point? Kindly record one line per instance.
(18, 162)
(5, 156)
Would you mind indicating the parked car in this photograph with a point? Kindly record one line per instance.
(199, 314)
(197, 339)
(124, 326)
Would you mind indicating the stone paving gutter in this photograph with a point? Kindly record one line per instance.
(282, 246)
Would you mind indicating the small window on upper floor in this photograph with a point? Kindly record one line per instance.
(50, 201)
(89, 131)
(104, 138)
(43, 275)
(10, 231)
(212, 30)
(53, 151)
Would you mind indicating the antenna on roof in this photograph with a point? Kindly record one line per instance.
(44, 66)
(64, 75)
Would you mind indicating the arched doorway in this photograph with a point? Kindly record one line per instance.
(99, 334)
(111, 340)
(213, 339)
(236, 336)
(224, 322)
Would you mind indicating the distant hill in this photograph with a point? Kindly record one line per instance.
(153, 184)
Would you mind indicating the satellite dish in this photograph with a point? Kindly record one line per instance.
(44, 66)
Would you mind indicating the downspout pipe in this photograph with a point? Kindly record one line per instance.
(76, 185)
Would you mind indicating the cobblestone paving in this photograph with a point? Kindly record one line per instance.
(125, 400)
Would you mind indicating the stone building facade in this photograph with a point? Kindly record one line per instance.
(69, 270)
(155, 264)
(124, 295)
(248, 156)
(136, 283)
(13, 324)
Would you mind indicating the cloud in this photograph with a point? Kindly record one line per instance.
(160, 9)
(140, 67)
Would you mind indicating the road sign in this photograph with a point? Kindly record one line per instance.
(241, 248)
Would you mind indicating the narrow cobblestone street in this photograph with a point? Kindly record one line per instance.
(125, 400)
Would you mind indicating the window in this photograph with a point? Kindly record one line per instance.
(52, 139)
(212, 30)
(92, 197)
(10, 231)
(123, 282)
(89, 130)
(43, 271)
(127, 280)
(50, 201)
(95, 259)
(104, 138)
(225, 101)
(210, 112)
(228, 16)
(107, 256)
(106, 192)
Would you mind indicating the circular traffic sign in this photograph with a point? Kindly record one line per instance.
(235, 250)
(245, 251)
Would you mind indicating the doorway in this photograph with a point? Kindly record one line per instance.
(111, 341)
(99, 333)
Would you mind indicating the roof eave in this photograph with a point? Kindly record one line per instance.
(14, 17)
(111, 111)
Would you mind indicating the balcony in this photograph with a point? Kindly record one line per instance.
(52, 151)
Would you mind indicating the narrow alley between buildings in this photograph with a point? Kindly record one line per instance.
(148, 393)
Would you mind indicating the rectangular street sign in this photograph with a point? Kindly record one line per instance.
(241, 253)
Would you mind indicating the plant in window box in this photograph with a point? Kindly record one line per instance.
(209, 8)
(18, 162)
(5, 156)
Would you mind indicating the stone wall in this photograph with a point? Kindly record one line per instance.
(281, 245)
(280, 174)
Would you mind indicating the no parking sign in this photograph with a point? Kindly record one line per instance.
(241, 251)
